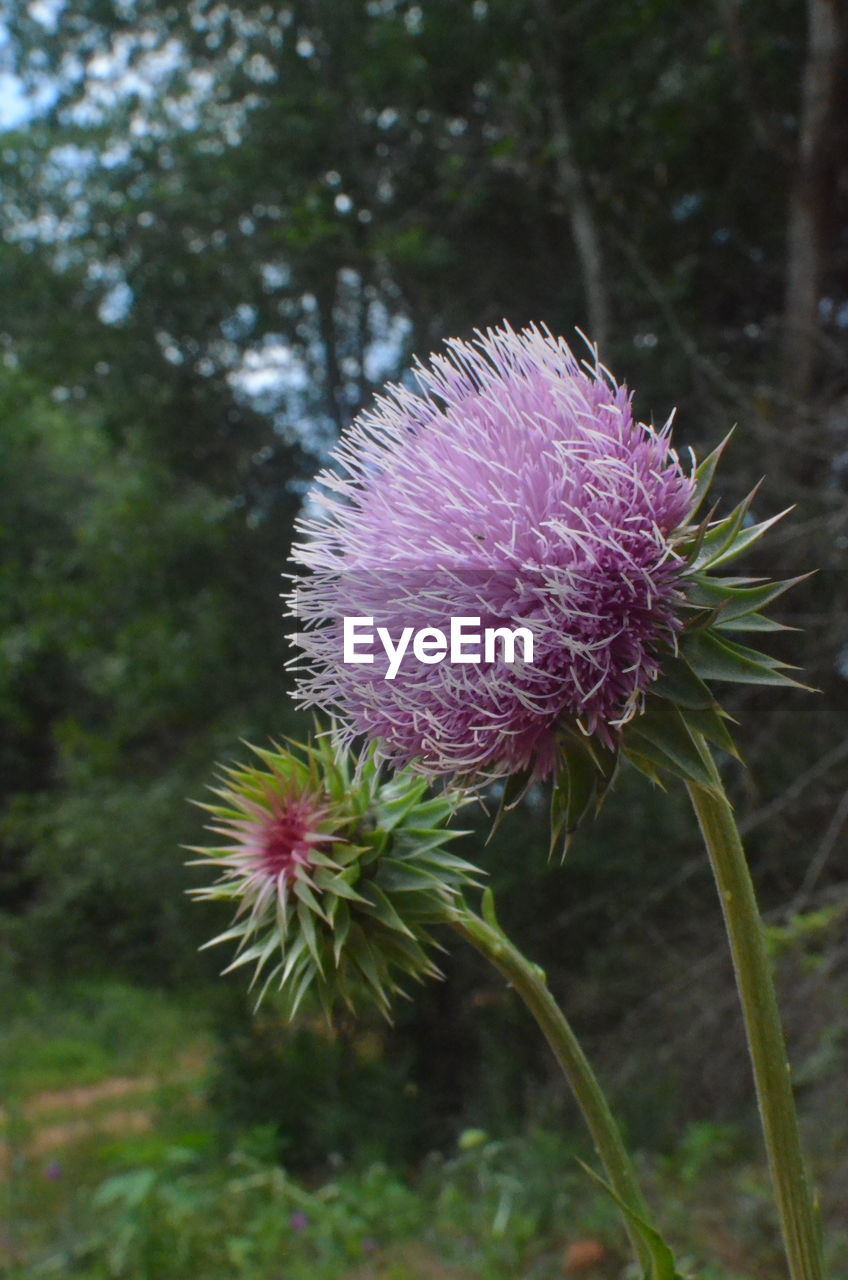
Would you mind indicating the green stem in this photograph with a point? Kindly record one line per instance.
(772, 1073)
(528, 980)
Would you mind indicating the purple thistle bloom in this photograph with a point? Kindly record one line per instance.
(517, 488)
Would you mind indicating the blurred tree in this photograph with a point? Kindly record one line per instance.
(126, 667)
(814, 200)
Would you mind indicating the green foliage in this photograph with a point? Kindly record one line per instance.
(82, 1032)
(805, 932)
(704, 1147)
(177, 1217)
(502, 1194)
(493, 1210)
(319, 1093)
(122, 671)
(175, 1199)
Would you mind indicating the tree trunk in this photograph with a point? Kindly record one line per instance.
(326, 297)
(583, 230)
(811, 200)
(570, 182)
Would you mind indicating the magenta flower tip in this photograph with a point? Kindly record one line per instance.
(275, 839)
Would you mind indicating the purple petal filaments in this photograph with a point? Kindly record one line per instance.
(514, 487)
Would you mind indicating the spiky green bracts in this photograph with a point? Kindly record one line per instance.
(337, 873)
(679, 711)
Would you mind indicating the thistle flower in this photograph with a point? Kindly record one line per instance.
(516, 486)
(336, 873)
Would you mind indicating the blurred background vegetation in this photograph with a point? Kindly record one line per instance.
(222, 228)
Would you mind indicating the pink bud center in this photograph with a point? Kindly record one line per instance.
(289, 838)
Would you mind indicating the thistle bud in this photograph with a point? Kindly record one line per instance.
(336, 873)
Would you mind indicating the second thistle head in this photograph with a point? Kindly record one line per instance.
(336, 873)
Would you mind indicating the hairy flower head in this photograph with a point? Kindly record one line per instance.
(514, 486)
(336, 873)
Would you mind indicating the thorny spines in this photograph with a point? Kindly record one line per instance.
(679, 711)
(336, 872)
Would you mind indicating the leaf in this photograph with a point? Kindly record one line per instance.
(300, 991)
(401, 877)
(294, 956)
(408, 955)
(735, 600)
(752, 622)
(695, 619)
(720, 535)
(712, 723)
(229, 935)
(250, 953)
(575, 783)
(341, 928)
(455, 871)
(489, 913)
(714, 658)
(678, 683)
(662, 1265)
(366, 960)
(392, 811)
(307, 898)
(307, 924)
(584, 772)
(743, 540)
(414, 842)
(515, 789)
(704, 474)
(433, 812)
(379, 906)
(335, 885)
(661, 733)
(645, 766)
(272, 946)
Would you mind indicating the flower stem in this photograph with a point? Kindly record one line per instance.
(772, 1072)
(529, 982)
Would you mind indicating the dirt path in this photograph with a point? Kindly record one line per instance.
(48, 1122)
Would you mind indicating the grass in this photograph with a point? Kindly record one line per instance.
(90, 1074)
(85, 1032)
